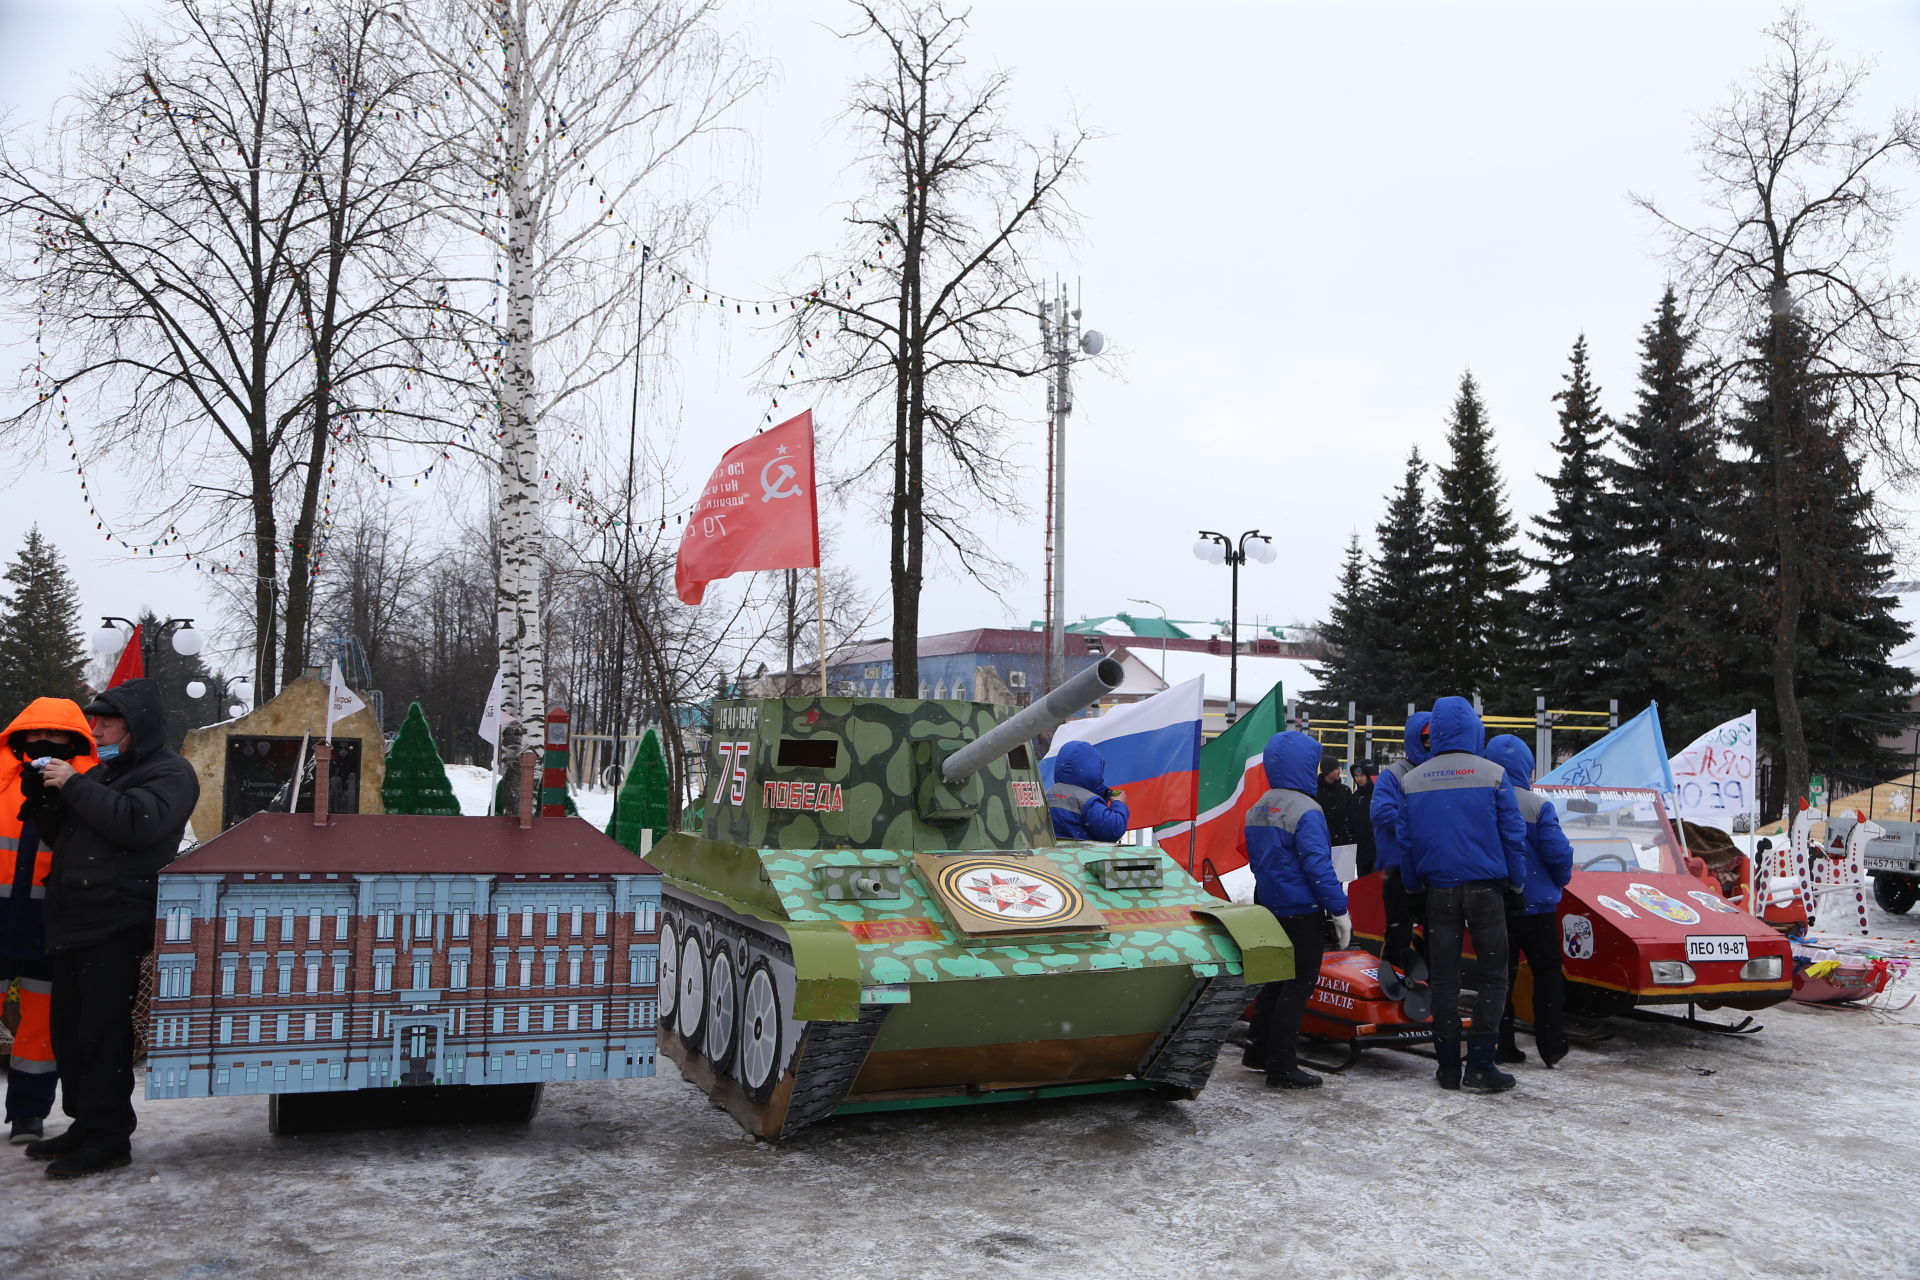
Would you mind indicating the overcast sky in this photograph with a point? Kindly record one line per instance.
(1301, 224)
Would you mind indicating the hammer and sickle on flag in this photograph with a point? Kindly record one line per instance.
(744, 519)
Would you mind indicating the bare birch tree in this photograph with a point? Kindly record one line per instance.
(223, 256)
(577, 115)
(1791, 265)
(960, 202)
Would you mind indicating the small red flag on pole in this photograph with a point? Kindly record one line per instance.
(758, 511)
(132, 664)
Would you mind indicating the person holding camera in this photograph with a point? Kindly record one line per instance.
(49, 729)
(1081, 804)
(117, 824)
(1289, 849)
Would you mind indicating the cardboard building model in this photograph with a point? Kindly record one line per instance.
(316, 952)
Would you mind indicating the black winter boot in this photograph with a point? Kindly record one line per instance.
(1293, 1079)
(1507, 1051)
(1481, 1075)
(1551, 1041)
(60, 1144)
(88, 1161)
(1448, 1072)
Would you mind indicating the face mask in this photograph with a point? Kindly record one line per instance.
(107, 751)
(37, 747)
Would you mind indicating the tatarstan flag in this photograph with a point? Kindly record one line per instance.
(1233, 777)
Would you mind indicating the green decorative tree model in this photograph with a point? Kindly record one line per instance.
(416, 779)
(642, 802)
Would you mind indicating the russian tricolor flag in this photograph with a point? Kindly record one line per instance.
(1151, 749)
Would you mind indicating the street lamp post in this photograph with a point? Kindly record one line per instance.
(1164, 628)
(1218, 548)
(186, 641)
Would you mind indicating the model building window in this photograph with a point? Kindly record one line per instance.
(422, 974)
(526, 922)
(280, 1028)
(599, 1015)
(286, 924)
(599, 966)
(499, 1025)
(257, 975)
(457, 975)
(226, 1029)
(313, 924)
(573, 967)
(253, 1029)
(645, 916)
(577, 919)
(526, 1012)
(599, 922)
(179, 924)
(423, 924)
(309, 1025)
(462, 922)
(339, 974)
(340, 925)
(286, 975)
(500, 923)
(339, 1030)
(229, 973)
(546, 1017)
(573, 1017)
(526, 966)
(313, 975)
(383, 975)
(553, 919)
(499, 971)
(232, 932)
(649, 1012)
(383, 924)
(259, 924)
(550, 966)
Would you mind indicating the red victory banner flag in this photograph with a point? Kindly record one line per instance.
(757, 512)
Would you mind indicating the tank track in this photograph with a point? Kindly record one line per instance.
(1185, 1053)
(830, 1057)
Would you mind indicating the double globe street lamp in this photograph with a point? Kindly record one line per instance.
(1218, 548)
(185, 641)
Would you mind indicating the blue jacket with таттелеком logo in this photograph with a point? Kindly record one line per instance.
(1460, 821)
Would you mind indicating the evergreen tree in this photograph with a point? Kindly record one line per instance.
(1350, 671)
(1567, 628)
(416, 780)
(1400, 587)
(42, 652)
(1813, 569)
(1476, 560)
(1665, 612)
(642, 802)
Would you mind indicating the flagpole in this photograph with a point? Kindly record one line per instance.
(820, 620)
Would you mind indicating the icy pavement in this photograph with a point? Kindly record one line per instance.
(1661, 1152)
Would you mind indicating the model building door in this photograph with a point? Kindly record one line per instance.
(419, 1046)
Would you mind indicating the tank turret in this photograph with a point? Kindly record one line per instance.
(886, 773)
(876, 916)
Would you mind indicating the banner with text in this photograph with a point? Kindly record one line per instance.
(1713, 776)
(757, 511)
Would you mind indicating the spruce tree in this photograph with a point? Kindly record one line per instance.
(1666, 610)
(1350, 670)
(1567, 629)
(42, 653)
(416, 780)
(642, 802)
(1813, 568)
(1476, 560)
(1400, 587)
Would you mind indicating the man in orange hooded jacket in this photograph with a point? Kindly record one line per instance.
(49, 727)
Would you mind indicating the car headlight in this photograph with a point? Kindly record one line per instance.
(1761, 969)
(1672, 973)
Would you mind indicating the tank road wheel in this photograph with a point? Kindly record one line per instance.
(669, 971)
(722, 1007)
(692, 996)
(1895, 894)
(760, 1033)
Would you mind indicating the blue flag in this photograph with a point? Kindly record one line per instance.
(1634, 755)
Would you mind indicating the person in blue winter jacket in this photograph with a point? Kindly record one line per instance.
(1535, 927)
(1463, 849)
(1397, 944)
(1291, 857)
(1081, 804)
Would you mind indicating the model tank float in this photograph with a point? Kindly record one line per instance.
(877, 917)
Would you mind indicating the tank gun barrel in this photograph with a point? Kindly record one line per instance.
(1102, 678)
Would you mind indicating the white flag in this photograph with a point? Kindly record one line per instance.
(1713, 777)
(490, 718)
(341, 701)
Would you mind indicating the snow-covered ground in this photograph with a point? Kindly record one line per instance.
(473, 788)
(1662, 1152)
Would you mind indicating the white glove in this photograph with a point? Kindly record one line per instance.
(1342, 931)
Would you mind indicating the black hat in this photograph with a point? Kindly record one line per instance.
(1367, 767)
(101, 707)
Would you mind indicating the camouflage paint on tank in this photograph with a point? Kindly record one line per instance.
(882, 789)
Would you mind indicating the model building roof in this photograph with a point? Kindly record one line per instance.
(364, 843)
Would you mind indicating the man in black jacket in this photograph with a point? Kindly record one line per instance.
(117, 825)
(1364, 774)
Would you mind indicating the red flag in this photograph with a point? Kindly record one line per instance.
(757, 512)
(132, 665)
